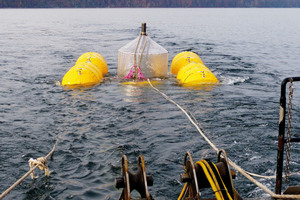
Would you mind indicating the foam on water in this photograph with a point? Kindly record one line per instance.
(232, 80)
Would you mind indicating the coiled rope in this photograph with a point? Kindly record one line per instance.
(40, 162)
(235, 166)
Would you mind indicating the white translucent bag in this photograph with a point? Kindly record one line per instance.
(154, 61)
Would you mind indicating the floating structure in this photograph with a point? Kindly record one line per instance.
(89, 70)
(142, 58)
(196, 73)
(182, 59)
(190, 70)
(94, 58)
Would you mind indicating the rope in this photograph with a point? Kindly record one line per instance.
(40, 162)
(140, 60)
(188, 116)
(136, 49)
(239, 169)
(135, 69)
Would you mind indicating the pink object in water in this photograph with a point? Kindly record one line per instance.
(132, 71)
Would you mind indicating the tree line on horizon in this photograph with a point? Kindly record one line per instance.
(146, 3)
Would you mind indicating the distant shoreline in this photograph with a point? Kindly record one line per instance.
(150, 4)
(144, 7)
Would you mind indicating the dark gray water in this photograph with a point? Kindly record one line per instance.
(249, 50)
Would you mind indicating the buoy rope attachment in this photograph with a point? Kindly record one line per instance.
(135, 71)
(238, 168)
(40, 162)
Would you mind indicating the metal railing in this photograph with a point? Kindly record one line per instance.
(281, 140)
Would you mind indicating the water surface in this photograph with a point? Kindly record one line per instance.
(249, 50)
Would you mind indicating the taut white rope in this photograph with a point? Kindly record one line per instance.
(239, 169)
(40, 162)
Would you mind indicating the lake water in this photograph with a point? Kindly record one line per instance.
(249, 50)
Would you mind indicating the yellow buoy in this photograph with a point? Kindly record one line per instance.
(96, 59)
(195, 74)
(183, 59)
(82, 74)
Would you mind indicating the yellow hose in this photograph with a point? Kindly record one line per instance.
(214, 187)
(210, 175)
(183, 191)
